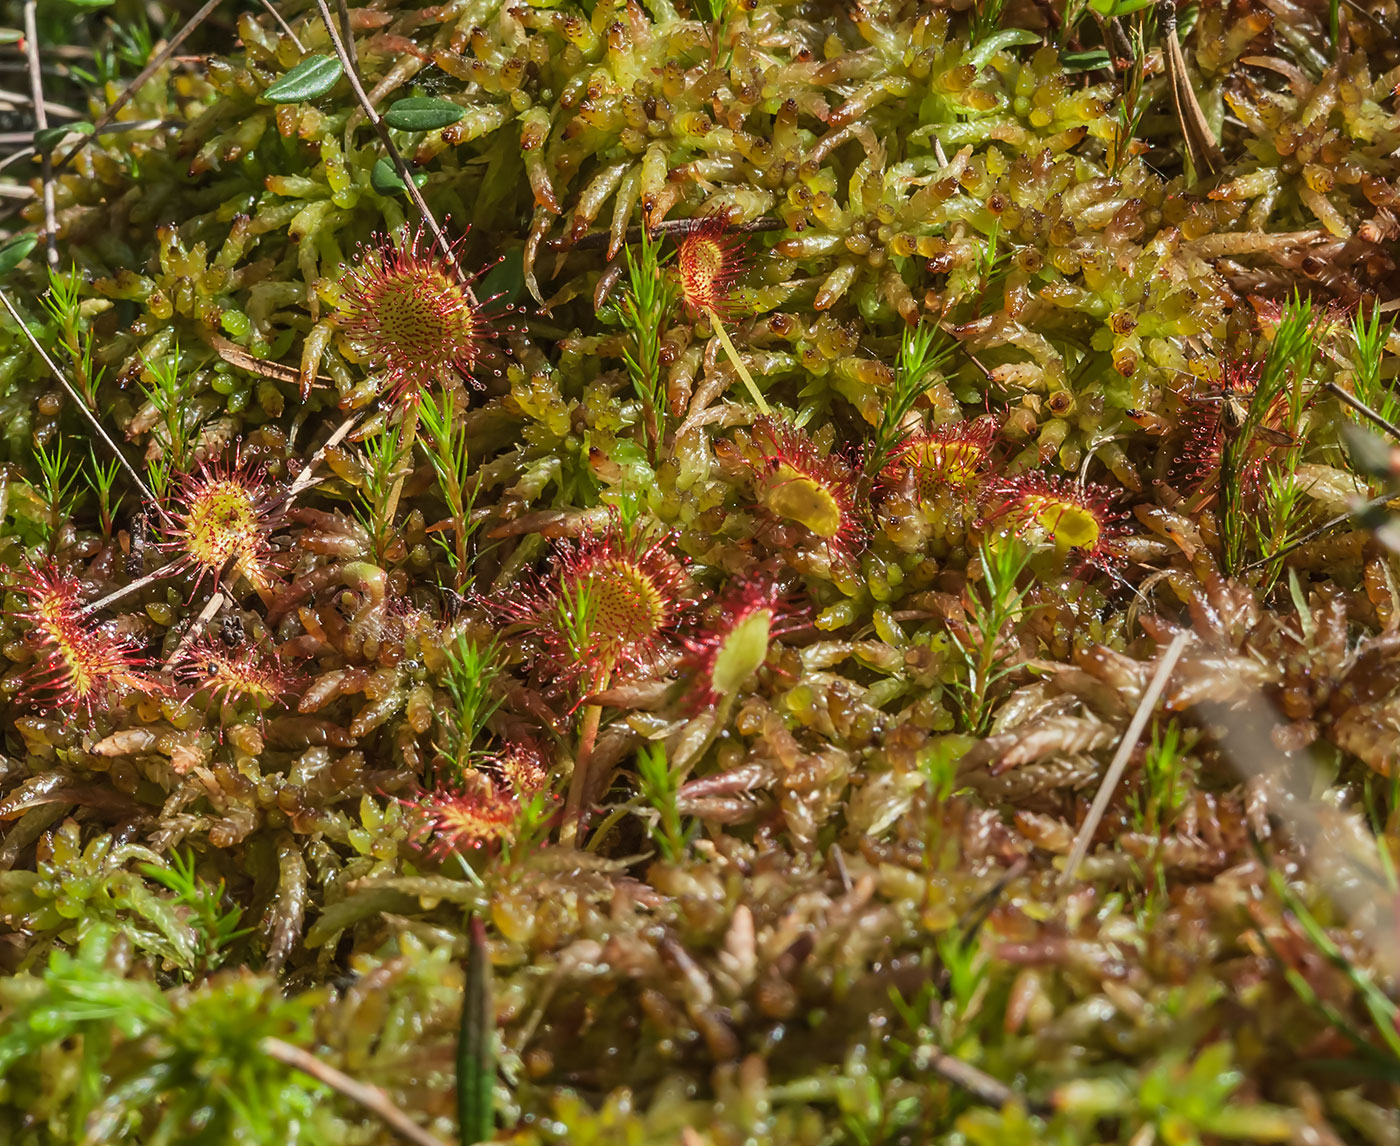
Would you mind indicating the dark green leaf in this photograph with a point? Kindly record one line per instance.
(14, 251)
(313, 77)
(419, 113)
(1090, 61)
(1111, 8)
(476, 1063)
(384, 178)
(506, 280)
(47, 139)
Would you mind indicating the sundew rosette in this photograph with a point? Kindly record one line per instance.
(410, 313)
(222, 521)
(799, 484)
(1071, 523)
(608, 609)
(79, 665)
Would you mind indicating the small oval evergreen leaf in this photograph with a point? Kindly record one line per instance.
(51, 137)
(384, 178)
(15, 251)
(313, 77)
(421, 113)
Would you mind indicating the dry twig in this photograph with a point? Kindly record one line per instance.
(370, 1097)
(276, 15)
(41, 123)
(1120, 758)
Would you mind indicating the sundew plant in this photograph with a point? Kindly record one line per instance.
(727, 573)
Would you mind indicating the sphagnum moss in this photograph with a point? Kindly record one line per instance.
(754, 721)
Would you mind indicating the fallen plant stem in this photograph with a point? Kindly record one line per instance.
(720, 333)
(578, 781)
(1120, 758)
(370, 1097)
(1201, 148)
(1318, 530)
(276, 15)
(41, 123)
(1364, 410)
(978, 1083)
(72, 392)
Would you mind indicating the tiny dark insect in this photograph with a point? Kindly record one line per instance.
(231, 630)
(1234, 414)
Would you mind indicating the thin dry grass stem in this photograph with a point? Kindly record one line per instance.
(208, 613)
(1120, 758)
(977, 1083)
(678, 227)
(574, 807)
(370, 1097)
(1201, 148)
(126, 590)
(156, 63)
(1317, 531)
(408, 437)
(276, 15)
(400, 165)
(305, 479)
(41, 123)
(81, 404)
(343, 9)
(754, 392)
(1364, 410)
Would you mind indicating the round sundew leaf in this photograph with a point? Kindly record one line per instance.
(421, 113)
(313, 77)
(15, 251)
(1070, 525)
(806, 502)
(743, 652)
